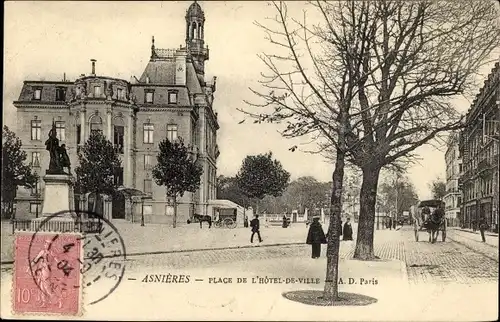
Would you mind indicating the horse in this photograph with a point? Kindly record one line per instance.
(202, 218)
(434, 222)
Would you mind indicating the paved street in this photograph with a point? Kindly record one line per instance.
(438, 274)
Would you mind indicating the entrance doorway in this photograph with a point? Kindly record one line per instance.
(118, 206)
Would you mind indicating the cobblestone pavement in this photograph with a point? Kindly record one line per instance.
(457, 260)
(461, 259)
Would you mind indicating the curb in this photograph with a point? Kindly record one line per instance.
(472, 232)
(473, 249)
(191, 250)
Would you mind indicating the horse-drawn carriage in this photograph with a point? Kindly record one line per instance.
(429, 216)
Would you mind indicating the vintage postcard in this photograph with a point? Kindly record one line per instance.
(251, 160)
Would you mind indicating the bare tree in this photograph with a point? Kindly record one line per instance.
(370, 81)
(421, 54)
(309, 89)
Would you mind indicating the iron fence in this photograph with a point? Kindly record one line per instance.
(87, 226)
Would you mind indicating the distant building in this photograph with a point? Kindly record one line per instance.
(479, 147)
(453, 197)
(170, 100)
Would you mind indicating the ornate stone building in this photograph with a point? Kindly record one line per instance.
(479, 147)
(170, 100)
(453, 197)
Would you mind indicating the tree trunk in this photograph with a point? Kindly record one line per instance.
(332, 251)
(366, 224)
(174, 221)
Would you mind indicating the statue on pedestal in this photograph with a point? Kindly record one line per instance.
(58, 156)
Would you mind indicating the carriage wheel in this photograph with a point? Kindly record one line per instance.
(229, 223)
(217, 224)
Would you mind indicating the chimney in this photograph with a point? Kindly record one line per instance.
(93, 67)
(64, 77)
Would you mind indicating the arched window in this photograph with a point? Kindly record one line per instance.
(193, 30)
(96, 124)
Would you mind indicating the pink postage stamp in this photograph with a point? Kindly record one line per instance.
(47, 274)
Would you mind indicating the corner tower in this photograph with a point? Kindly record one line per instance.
(195, 28)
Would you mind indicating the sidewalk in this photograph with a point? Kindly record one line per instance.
(487, 233)
(474, 242)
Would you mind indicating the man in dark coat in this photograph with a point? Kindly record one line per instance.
(316, 237)
(255, 224)
(483, 225)
(347, 230)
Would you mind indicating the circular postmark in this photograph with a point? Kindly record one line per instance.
(89, 256)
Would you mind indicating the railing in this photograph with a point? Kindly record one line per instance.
(21, 225)
(86, 226)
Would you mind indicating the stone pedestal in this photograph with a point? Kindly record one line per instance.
(58, 197)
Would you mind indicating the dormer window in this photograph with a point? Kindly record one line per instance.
(149, 96)
(120, 93)
(60, 94)
(97, 91)
(172, 97)
(37, 94)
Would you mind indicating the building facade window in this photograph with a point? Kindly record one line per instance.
(172, 132)
(36, 129)
(118, 176)
(35, 158)
(149, 96)
(60, 94)
(37, 94)
(37, 188)
(120, 93)
(118, 138)
(61, 130)
(147, 186)
(148, 133)
(96, 124)
(97, 91)
(78, 133)
(172, 97)
(147, 162)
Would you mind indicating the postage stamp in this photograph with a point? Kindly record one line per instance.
(47, 276)
(53, 271)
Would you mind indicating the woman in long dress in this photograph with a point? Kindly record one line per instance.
(316, 237)
(347, 233)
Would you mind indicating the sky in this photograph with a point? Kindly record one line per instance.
(44, 40)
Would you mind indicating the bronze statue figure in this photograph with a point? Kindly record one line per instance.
(64, 159)
(58, 156)
(52, 145)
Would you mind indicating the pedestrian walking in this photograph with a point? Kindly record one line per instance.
(316, 237)
(390, 223)
(255, 224)
(285, 222)
(347, 230)
(483, 225)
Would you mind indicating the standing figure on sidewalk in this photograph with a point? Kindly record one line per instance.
(316, 237)
(347, 230)
(483, 225)
(255, 224)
